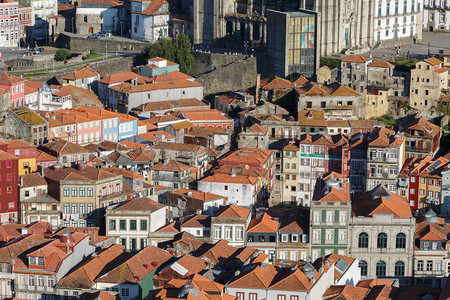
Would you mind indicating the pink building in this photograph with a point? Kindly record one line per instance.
(14, 85)
(89, 126)
(9, 23)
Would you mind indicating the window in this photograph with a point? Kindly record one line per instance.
(143, 225)
(74, 192)
(74, 208)
(420, 265)
(112, 224)
(82, 192)
(90, 192)
(363, 267)
(253, 296)
(133, 225)
(381, 269)
(399, 268)
(429, 265)
(123, 225)
(240, 296)
(363, 240)
(382, 240)
(66, 192)
(217, 232)
(40, 280)
(281, 297)
(31, 280)
(90, 207)
(239, 233)
(143, 243)
(400, 241)
(125, 292)
(228, 232)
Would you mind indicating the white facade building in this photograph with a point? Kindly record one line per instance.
(436, 15)
(149, 21)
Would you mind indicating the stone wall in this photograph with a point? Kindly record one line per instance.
(80, 44)
(106, 68)
(222, 72)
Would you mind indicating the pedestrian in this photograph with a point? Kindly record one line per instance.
(414, 40)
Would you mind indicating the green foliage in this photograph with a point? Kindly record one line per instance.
(404, 64)
(327, 61)
(178, 51)
(388, 120)
(62, 54)
(91, 54)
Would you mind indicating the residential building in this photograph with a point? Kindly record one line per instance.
(83, 193)
(15, 86)
(68, 154)
(358, 163)
(199, 225)
(158, 65)
(382, 234)
(81, 279)
(45, 160)
(431, 254)
(309, 120)
(39, 271)
(254, 136)
(230, 223)
(89, 126)
(38, 96)
(328, 74)
(330, 215)
(28, 125)
(25, 18)
(376, 102)
(185, 200)
(9, 22)
(192, 155)
(293, 232)
(150, 20)
(26, 152)
(233, 102)
(124, 97)
(162, 107)
(9, 180)
(207, 118)
(212, 138)
(60, 126)
(109, 120)
(336, 100)
(424, 180)
(36, 205)
(105, 83)
(83, 77)
(92, 17)
(138, 282)
(137, 159)
(262, 232)
(171, 173)
(354, 72)
(318, 155)
(292, 42)
(427, 81)
(132, 221)
(382, 74)
(78, 96)
(134, 180)
(385, 158)
(239, 189)
(436, 16)
(41, 10)
(421, 138)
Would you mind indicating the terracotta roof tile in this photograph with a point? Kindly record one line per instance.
(357, 59)
(232, 211)
(84, 72)
(140, 204)
(8, 79)
(227, 178)
(197, 195)
(380, 64)
(33, 179)
(433, 61)
(203, 221)
(62, 147)
(276, 83)
(172, 166)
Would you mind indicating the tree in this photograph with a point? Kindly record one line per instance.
(178, 51)
(62, 54)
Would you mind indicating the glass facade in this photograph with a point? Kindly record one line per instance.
(301, 45)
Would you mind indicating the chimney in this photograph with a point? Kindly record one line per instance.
(166, 161)
(146, 266)
(154, 264)
(258, 86)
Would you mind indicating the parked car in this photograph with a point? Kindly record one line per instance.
(102, 33)
(93, 36)
(34, 51)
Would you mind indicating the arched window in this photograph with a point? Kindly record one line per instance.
(400, 241)
(363, 267)
(382, 240)
(399, 268)
(363, 240)
(40, 280)
(381, 269)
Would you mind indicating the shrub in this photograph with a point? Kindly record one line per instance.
(62, 54)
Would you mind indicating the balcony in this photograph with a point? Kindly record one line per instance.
(433, 272)
(419, 149)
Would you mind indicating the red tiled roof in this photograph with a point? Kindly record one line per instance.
(356, 59)
(140, 204)
(197, 195)
(433, 61)
(84, 72)
(380, 64)
(232, 211)
(172, 166)
(226, 178)
(276, 83)
(265, 222)
(8, 79)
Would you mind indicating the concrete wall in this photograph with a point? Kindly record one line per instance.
(222, 72)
